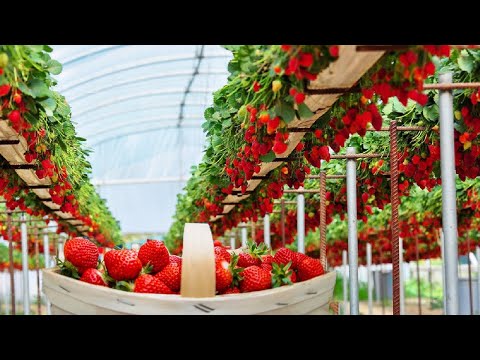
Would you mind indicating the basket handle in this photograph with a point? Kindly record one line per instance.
(198, 262)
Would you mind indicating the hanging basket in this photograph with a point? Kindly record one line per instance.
(197, 294)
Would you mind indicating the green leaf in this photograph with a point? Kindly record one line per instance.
(304, 112)
(269, 157)
(39, 88)
(24, 89)
(431, 112)
(226, 123)
(465, 61)
(285, 111)
(47, 48)
(54, 67)
(30, 118)
(49, 105)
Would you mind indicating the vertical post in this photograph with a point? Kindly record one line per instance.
(266, 230)
(46, 248)
(37, 269)
(10, 263)
(429, 265)
(244, 234)
(478, 278)
(449, 205)
(369, 278)
(419, 291)
(470, 294)
(232, 241)
(323, 219)
(352, 230)
(301, 222)
(60, 241)
(282, 214)
(442, 248)
(395, 227)
(402, 277)
(26, 288)
(345, 296)
(254, 231)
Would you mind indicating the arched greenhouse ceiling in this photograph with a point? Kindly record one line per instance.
(141, 109)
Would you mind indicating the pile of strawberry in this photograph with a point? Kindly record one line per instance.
(153, 270)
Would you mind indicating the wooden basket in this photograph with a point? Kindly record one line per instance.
(197, 295)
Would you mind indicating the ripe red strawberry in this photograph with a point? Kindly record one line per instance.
(150, 284)
(266, 266)
(222, 253)
(293, 277)
(156, 253)
(284, 255)
(223, 275)
(171, 275)
(254, 279)
(81, 253)
(309, 268)
(233, 290)
(267, 259)
(122, 264)
(246, 260)
(299, 257)
(94, 276)
(217, 243)
(176, 259)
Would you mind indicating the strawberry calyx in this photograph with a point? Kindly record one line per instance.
(236, 271)
(125, 285)
(281, 275)
(257, 250)
(67, 268)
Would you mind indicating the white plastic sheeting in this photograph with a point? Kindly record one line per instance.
(127, 102)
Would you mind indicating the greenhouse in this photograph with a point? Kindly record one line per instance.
(239, 179)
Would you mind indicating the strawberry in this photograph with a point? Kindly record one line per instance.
(222, 252)
(282, 275)
(217, 243)
(80, 254)
(233, 290)
(254, 279)
(267, 259)
(293, 277)
(171, 275)
(299, 257)
(94, 276)
(309, 268)
(176, 259)
(156, 253)
(122, 264)
(266, 266)
(284, 255)
(223, 275)
(246, 260)
(150, 284)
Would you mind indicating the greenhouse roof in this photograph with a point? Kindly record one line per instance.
(141, 109)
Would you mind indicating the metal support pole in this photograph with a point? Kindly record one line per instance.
(232, 241)
(60, 242)
(266, 230)
(26, 288)
(352, 230)
(470, 292)
(282, 220)
(442, 248)
(419, 291)
(323, 220)
(402, 277)
(369, 278)
(10, 263)
(46, 248)
(449, 205)
(301, 222)
(395, 201)
(478, 278)
(244, 235)
(37, 270)
(345, 294)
